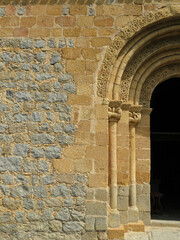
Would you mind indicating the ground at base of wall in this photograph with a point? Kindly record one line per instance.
(155, 233)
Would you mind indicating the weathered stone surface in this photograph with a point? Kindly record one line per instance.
(39, 44)
(40, 191)
(55, 226)
(43, 166)
(123, 203)
(65, 77)
(54, 202)
(28, 204)
(47, 180)
(90, 223)
(8, 228)
(60, 190)
(11, 203)
(21, 149)
(96, 208)
(13, 163)
(65, 139)
(20, 117)
(33, 216)
(36, 117)
(4, 189)
(53, 152)
(77, 216)
(21, 191)
(29, 166)
(70, 128)
(101, 194)
(44, 76)
(57, 97)
(73, 227)
(101, 223)
(143, 202)
(42, 138)
(63, 215)
(69, 87)
(123, 191)
(23, 96)
(114, 219)
(55, 58)
(77, 190)
(20, 217)
(47, 214)
(5, 217)
(8, 179)
(37, 152)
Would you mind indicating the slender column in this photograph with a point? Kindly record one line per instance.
(114, 116)
(134, 118)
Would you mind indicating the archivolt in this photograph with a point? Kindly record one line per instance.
(143, 46)
(156, 77)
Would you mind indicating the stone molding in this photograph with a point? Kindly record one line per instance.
(154, 79)
(119, 45)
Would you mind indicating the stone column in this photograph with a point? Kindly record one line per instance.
(114, 115)
(134, 118)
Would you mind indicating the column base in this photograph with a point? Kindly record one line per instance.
(133, 214)
(114, 219)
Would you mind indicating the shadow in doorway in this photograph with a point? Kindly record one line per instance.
(165, 151)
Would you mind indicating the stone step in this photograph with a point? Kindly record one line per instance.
(136, 227)
(165, 223)
(116, 233)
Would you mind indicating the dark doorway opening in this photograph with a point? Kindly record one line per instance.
(165, 151)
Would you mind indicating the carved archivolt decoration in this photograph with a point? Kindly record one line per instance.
(140, 42)
(145, 56)
(158, 76)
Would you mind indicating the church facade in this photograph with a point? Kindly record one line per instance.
(76, 80)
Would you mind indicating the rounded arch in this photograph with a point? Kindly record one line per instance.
(155, 78)
(143, 47)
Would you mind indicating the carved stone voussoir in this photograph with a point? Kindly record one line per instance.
(122, 39)
(114, 111)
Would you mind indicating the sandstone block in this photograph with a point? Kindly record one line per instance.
(101, 224)
(96, 208)
(103, 21)
(66, 21)
(100, 41)
(85, 21)
(27, 21)
(54, 10)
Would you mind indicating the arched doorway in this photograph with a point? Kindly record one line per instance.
(165, 145)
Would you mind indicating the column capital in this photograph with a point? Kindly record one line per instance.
(114, 111)
(146, 111)
(134, 115)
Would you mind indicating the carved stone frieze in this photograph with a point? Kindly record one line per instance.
(154, 79)
(119, 45)
(138, 60)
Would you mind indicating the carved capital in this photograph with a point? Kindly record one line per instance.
(114, 111)
(134, 118)
(134, 115)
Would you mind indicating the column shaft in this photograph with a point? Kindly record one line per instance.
(113, 163)
(132, 197)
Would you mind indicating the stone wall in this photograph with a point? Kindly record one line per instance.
(54, 169)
